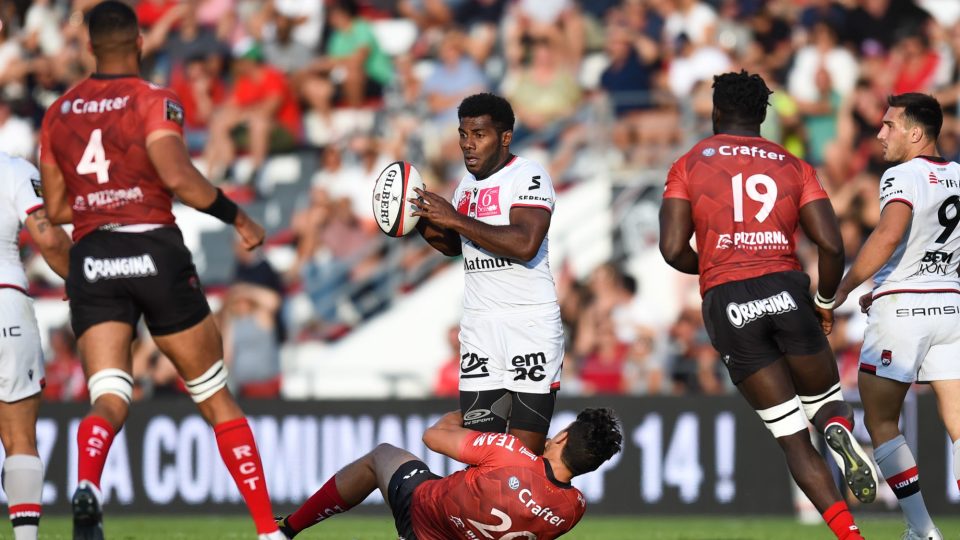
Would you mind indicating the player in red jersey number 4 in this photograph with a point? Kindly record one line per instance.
(112, 157)
(508, 490)
(744, 197)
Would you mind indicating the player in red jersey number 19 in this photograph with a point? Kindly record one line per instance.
(745, 196)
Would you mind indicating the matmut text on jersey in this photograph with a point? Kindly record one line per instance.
(745, 195)
(493, 282)
(96, 135)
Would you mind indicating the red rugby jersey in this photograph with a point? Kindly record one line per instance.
(508, 490)
(745, 194)
(96, 134)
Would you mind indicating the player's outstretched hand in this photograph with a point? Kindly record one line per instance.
(251, 233)
(826, 319)
(434, 208)
(865, 302)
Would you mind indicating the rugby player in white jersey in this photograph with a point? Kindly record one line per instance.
(511, 339)
(21, 360)
(912, 332)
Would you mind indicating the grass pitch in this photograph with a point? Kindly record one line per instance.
(592, 528)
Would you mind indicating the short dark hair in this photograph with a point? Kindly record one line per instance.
(593, 438)
(920, 109)
(350, 7)
(496, 107)
(112, 25)
(741, 97)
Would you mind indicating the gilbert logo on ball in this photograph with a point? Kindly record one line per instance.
(391, 193)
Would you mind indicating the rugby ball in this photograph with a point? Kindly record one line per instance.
(391, 205)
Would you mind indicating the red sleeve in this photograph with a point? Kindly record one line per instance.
(491, 449)
(161, 109)
(44, 149)
(677, 181)
(812, 188)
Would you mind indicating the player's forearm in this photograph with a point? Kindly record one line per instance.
(684, 259)
(876, 251)
(443, 240)
(512, 241)
(829, 270)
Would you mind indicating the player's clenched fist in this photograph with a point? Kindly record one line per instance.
(251, 233)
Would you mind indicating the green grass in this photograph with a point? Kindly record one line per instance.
(592, 528)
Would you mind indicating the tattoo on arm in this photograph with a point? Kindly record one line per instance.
(43, 222)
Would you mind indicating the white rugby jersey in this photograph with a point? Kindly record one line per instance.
(928, 256)
(492, 282)
(19, 197)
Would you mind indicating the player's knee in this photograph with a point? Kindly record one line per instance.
(784, 419)
(212, 381)
(532, 412)
(111, 381)
(486, 410)
(815, 403)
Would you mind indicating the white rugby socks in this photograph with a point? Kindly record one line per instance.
(899, 467)
(23, 483)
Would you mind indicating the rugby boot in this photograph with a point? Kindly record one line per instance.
(859, 472)
(87, 515)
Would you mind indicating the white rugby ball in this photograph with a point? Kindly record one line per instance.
(391, 205)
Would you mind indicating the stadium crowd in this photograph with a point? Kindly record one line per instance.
(350, 85)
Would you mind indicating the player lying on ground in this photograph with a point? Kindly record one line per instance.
(912, 332)
(508, 489)
(744, 196)
(112, 158)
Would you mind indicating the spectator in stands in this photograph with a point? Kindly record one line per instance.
(16, 134)
(282, 50)
(644, 127)
(200, 92)
(691, 18)
(448, 378)
(354, 60)
(303, 21)
(913, 63)
(694, 364)
(250, 346)
(560, 20)
(643, 368)
(260, 114)
(64, 372)
(823, 52)
(544, 92)
(455, 77)
(602, 369)
(820, 118)
(480, 19)
(178, 37)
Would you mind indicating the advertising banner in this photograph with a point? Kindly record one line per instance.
(680, 456)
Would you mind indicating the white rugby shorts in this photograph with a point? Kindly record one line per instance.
(521, 351)
(913, 337)
(21, 358)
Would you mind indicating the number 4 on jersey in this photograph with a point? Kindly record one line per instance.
(94, 159)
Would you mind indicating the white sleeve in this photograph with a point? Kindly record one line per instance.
(533, 188)
(898, 184)
(25, 187)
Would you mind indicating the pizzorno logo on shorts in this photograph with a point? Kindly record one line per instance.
(120, 267)
(742, 314)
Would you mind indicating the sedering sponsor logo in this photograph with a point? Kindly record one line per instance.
(742, 314)
(120, 267)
